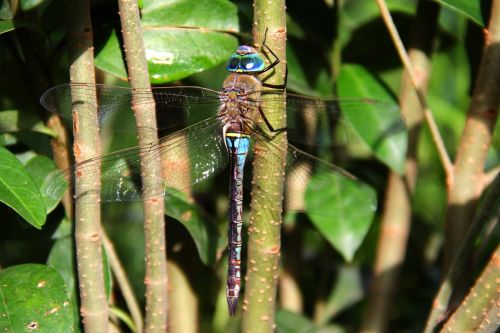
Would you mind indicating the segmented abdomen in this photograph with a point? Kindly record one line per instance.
(238, 145)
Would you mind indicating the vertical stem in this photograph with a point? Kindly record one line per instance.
(482, 298)
(396, 218)
(490, 209)
(469, 177)
(94, 306)
(154, 224)
(264, 243)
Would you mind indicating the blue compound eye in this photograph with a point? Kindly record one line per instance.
(247, 63)
(234, 63)
(252, 63)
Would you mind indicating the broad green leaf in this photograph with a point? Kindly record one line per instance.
(61, 258)
(30, 4)
(181, 37)
(6, 26)
(204, 233)
(34, 298)
(18, 191)
(348, 290)
(40, 167)
(10, 25)
(383, 131)
(13, 121)
(290, 322)
(474, 9)
(342, 209)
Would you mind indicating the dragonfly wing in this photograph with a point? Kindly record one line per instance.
(187, 157)
(323, 189)
(330, 122)
(175, 106)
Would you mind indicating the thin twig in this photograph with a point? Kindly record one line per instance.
(123, 282)
(396, 217)
(405, 59)
(145, 117)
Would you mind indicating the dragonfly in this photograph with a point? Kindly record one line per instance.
(210, 129)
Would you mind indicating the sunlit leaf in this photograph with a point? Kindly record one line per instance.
(347, 208)
(18, 191)
(30, 4)
(383, 131)
(181, 37)
(33, 298)
(474, 9)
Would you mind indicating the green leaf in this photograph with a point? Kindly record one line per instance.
(347, 209)
(290, 322)
(33, 298)
(6, 26)
(40, 168)
(181, 37)
(348, 290)
(382, 130)
(13, 121)
(474, 9)
(61, 258)
(18, 191)
(204, 233)
(30, 4)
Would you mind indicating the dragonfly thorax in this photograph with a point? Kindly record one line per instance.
(240, 97)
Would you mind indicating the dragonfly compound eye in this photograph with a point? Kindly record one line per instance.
(252, 63)
(234, 63)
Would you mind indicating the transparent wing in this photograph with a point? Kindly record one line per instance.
(321, 188)
(316, 186)
(175, 106)
(187, 157)
(328, 122)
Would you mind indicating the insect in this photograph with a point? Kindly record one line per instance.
(211, 128)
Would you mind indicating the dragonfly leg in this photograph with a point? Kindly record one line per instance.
(278, 86)
(268, 124)
(275, 62)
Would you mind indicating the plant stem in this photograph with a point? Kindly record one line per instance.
(154, 224)
(123, 281)
(469, 176)
(94, 306)
(396, 217)
(264, 243)
(405, 59)
(489, 209)
(481, 299)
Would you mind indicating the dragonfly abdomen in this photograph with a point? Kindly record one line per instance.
(238, 145)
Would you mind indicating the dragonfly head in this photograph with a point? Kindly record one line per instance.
(247, 60)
